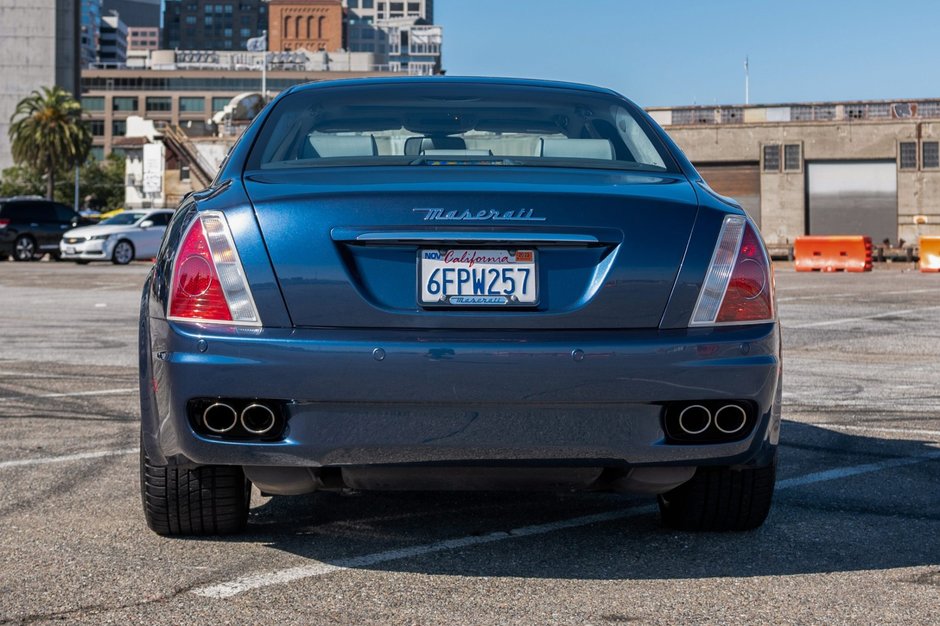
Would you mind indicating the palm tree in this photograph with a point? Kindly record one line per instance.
(47, 133)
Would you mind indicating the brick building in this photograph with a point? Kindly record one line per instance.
(309, 24)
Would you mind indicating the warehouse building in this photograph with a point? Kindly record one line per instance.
(824, 168)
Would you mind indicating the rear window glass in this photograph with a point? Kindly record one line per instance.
(456, 124)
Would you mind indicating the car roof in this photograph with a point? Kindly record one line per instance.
(451, 80)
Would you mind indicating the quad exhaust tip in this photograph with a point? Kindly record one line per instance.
(695, 419)
(730, 419)
(219, 418)
(258, 419)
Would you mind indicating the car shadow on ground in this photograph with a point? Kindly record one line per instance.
(870, 521)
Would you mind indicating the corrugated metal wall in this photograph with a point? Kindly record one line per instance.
(847, 198)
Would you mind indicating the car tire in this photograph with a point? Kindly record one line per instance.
(207, 500)
(720, 499)
(24, 248)
(123, 252)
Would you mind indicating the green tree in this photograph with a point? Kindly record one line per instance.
(48, 135)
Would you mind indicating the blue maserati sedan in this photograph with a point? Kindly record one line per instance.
(455, 284)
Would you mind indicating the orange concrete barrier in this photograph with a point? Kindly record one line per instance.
(930, 253)
(839, 253)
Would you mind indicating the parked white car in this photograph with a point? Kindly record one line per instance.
(120, 239)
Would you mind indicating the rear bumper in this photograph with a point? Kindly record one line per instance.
(551, 398)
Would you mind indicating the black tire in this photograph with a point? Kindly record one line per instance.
(123, 252)
(207, 500)
(720, 499)
(24, 248)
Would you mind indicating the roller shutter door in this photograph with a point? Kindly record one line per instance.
(741, 182)
(848, 198)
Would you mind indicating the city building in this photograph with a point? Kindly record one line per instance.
(39, 47)
(143, 38)
(90, 31)
(403, 32)
(112, 42)
(185, 89)
(305, 24)
(870, 168)
(212, 24)
(135, 12)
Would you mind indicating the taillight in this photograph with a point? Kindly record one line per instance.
(209, 283)
(4, 223)
(738, 286)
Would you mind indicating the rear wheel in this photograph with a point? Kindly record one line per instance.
(721, 498)
(208, 500)
(123, 252)
(24, 248)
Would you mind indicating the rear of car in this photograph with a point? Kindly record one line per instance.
(458, 284)
(31, 227)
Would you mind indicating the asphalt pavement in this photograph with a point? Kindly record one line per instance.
(853, 537)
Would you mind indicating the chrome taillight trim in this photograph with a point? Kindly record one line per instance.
(720, 268)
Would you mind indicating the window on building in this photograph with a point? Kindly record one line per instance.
(791, 157)
(191, 19)
(353, 4)
(732, 116)
(192, 104)
(930, 154)
(367, 4)
(219, 103)
(93, 103)
(928, 109)
(159, 103)
(124, 103)
(908, 155)
(184, 173)
(207, 20)
(855, 112)
(96, 127)
(118, 127)
(97, 153)
(772, 158)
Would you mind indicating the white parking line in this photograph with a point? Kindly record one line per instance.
(73, 394)
(878, 429)
(847, 320)
(68, 457)
(267, 579)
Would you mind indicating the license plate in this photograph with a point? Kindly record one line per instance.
(469, 277)
(70, 249)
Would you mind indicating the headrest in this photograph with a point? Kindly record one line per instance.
(576, 148)
(325, 146)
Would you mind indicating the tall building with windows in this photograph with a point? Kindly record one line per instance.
(112, 44)
(402, 32)
(212, 24)
(39, 47)
(90, 31)
(309, 24)
(135, 12)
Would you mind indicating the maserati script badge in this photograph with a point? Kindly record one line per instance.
(491, 215)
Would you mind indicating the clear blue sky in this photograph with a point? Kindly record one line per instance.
(664, 52)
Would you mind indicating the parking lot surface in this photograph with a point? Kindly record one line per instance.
(853, 537)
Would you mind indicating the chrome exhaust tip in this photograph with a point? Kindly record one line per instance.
(730, 419)
(258, 419)
(695, 419)
(219, 418)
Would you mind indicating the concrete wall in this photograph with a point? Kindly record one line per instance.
(783, 194)
(38, 48)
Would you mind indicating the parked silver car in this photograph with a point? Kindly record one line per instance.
(120, 239)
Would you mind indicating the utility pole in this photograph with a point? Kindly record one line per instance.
(747, 83)
(264, 68)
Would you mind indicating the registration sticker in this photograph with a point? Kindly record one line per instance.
(477, 277)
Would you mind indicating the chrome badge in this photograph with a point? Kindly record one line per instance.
(486, 215)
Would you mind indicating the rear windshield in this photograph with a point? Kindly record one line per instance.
(456, 124)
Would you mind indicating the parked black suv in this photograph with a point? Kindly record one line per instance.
(30, 227)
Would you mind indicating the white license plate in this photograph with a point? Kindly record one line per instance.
(70, 249)
(469, 277)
